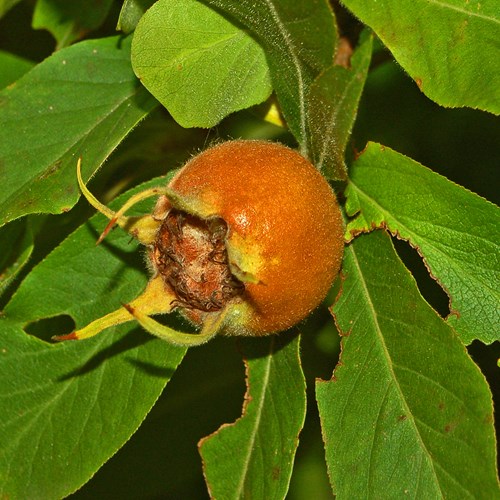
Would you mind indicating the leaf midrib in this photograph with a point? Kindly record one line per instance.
(387, 356)
(259, 412)
(393, 224)
(291, 49)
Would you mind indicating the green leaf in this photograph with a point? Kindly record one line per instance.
(66, 408)
(407, 413)
(197, 64)
(456, 232)
(130, 14)
(333, 105)
(161, 459)
(12, 68)
(16, 246)
(82, 100)
(300, 41)
(253, 457)
(70, 21)
(449, 48)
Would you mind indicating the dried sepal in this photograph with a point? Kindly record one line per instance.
(158, 297)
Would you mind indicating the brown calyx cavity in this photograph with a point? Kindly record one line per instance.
(190, 254)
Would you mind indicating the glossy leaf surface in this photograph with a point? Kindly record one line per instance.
(456, 232)
(407, 412)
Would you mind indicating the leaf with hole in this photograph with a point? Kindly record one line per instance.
(407, 412)
(456, 232)
(78, 401)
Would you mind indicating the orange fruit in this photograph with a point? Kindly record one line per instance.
(254, 229)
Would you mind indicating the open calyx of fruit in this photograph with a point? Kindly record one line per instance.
(246, 239)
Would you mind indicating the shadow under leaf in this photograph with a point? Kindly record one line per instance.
(129, 341)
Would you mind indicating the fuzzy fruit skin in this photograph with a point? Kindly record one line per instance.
(285, 228)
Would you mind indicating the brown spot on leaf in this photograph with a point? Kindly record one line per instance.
(50, 170)
(489, 419)
(418, 81)
(453, 312)
(450, 427)
(276, 473)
